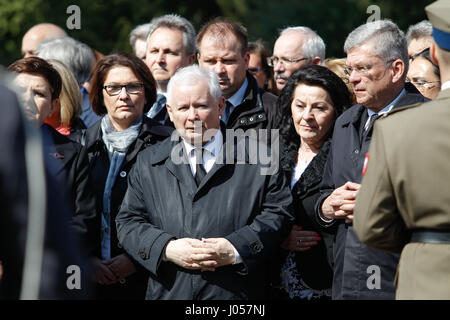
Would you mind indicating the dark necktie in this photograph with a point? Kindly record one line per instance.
(372, 119)
(227, 112)
(159, 104)
(200, 171)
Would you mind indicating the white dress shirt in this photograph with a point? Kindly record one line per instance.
(209, 155)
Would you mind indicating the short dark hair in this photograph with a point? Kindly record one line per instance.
(101, 70)
(219, 27)
(313, 75)
(257, 47)
(39, 67)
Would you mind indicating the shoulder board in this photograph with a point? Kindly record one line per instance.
(395, 110)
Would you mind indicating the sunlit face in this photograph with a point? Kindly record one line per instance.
(371, 77)
(288, 47)
(166, 53)
(256, 69)
(125, 108)
(224, 57)
(312, 113)
(36, 97)
(418, 45)
(421, 74)
(193, 111)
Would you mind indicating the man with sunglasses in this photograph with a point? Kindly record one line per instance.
(296, 47)
(377, 64)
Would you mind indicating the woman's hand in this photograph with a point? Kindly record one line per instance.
(300, 240)
(121, 266)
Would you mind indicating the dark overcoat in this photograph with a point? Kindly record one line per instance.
(234, 201)
(356, 266)
(151, 132)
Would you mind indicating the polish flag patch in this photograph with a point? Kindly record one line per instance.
(366, 163)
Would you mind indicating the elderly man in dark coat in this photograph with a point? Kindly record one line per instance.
(377, 61)
(200, 213)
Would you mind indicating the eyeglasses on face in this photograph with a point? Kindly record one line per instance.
(421, 53)
(272, 61)
(362, 70)
(423, 83)
(254, 70)
(131, 88)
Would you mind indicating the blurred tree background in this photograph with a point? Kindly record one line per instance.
(106, 24)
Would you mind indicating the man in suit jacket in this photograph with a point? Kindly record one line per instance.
(170, 46)
(199, 214)
(403, 204)
(377, 61)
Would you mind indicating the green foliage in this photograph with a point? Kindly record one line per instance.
(106, 24)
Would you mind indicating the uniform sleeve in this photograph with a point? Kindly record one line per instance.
(377, 221)
(142, 240)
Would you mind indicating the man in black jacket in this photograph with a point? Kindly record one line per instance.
(199, 213)
(377, 61)
(222, 48)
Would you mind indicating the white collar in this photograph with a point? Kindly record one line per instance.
(213, 145)
(209, 158)
(237, 98)
(445, 85)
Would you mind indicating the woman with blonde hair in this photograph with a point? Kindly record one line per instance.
(338, 66)
(66, 119)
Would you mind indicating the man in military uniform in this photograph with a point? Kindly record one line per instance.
(403, 203)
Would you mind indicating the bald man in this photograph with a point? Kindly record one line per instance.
(38, 33)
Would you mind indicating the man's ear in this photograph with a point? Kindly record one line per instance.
(398, 70)
(169, 111)
(222, 105)
(433, 54)
(247, 59)
(316, 60)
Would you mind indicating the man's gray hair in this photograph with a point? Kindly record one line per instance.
(423, 29)
(139, 33)
(174, 21)
(192, 75)
(77, 56)
(389, 40)
(313, 47)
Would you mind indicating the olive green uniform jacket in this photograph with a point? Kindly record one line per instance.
(406, 187)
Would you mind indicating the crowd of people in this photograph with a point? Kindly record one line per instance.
(154, 164)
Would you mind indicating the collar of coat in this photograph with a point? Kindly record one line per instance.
(150, 131)
(353, 114)
(162, 152)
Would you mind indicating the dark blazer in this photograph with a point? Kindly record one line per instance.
(72, 168)
(353, 259)
(150, 133)
(235, 201)
(257, 111)
(61, 248)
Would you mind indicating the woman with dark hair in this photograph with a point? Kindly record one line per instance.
(42, 86)
(122, 91)
(309, 104)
